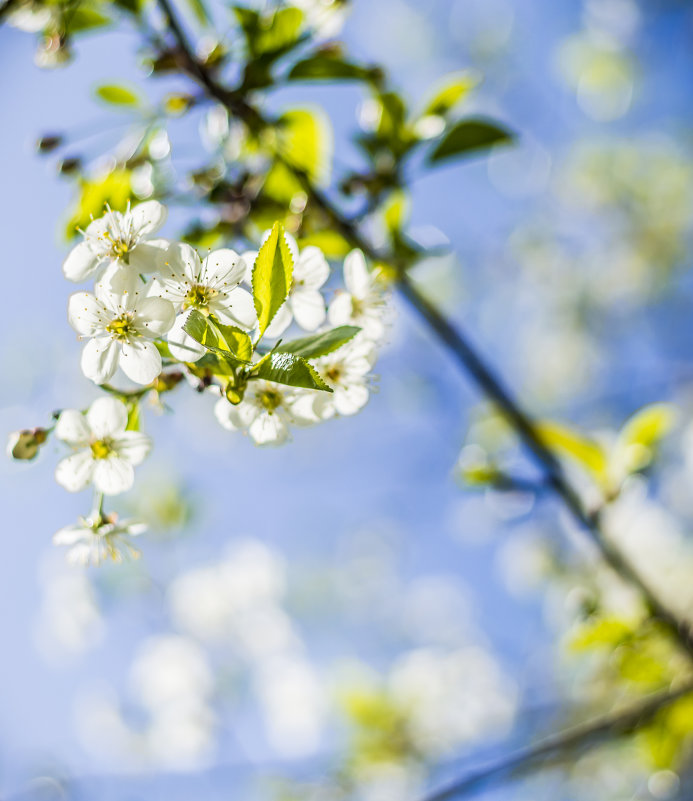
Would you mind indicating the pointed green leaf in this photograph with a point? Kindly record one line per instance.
(468, 137)
(116, 95)
(272, 276)
(287, 368)
(326, 67)
(319, 344)
(454, 89)
(582, 450)
(221, 339)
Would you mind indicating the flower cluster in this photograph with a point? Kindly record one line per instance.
(158, 311)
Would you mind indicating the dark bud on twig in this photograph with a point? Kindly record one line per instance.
(49, 143)
(24, 445)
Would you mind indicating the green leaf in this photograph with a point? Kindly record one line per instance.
(304, 138)
(199, 9)
(113, 188)
(639, 437)
(585, 451)
(326, 67)
(319, 344)
(270, 35)
(455, 88)
(287, 368)
(84, 18)
(116, 95)
(222, 339)
(272, 275)
(469, 137)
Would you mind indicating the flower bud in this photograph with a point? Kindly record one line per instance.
(24, 445)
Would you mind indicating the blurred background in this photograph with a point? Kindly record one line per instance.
(354, 612)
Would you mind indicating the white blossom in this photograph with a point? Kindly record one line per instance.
(347, 371)
(121, 322)
(93, 541)
(363, 301)
(33, 17)
(266, 412)
(105, 453)
(122, 240)
(305, 303)
(210, 285)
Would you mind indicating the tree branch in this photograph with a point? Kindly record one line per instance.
(455, 340)
(551, 749)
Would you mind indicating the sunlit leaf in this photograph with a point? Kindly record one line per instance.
(272, 275)
(586, 452)
(219, 338)
(319, 344)
(454, 89)
(287, 368)
(114, 189)
(117, 95)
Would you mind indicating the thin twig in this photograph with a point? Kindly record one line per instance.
(552, 748)
(456, 342)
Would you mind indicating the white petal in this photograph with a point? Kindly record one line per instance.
(72, 428)
(222, 269)
(309, 308)
(303, 408)
(86, 314)
(182, 346)
(280, 322)
(312, 269)
(227, 414)
(249, 257)
(69, 535)
(133, 446)
(237, 309)
(100, 359)
(356, 275)
(106, 417)
(140, 361)
(113, 475)
(120, 289)
(180, 263)
(81, 263)
(268, 429)
(340, 311)
(74, 472)
(148, 217)
(154, 317)
(350, 399)
(145, 257)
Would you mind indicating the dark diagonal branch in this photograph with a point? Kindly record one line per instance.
(552, 749)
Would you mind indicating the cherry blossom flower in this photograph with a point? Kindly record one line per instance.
(92, 542)
(363, 302)
(346, 370)
(121, 322)
(123, 241)
(266, 412)
(210, 286)
(105, 453)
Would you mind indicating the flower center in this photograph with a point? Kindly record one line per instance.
(101, 448)
(119, 247)
(334, 373)
(199, 297)
(270, 399)
(121, 327)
